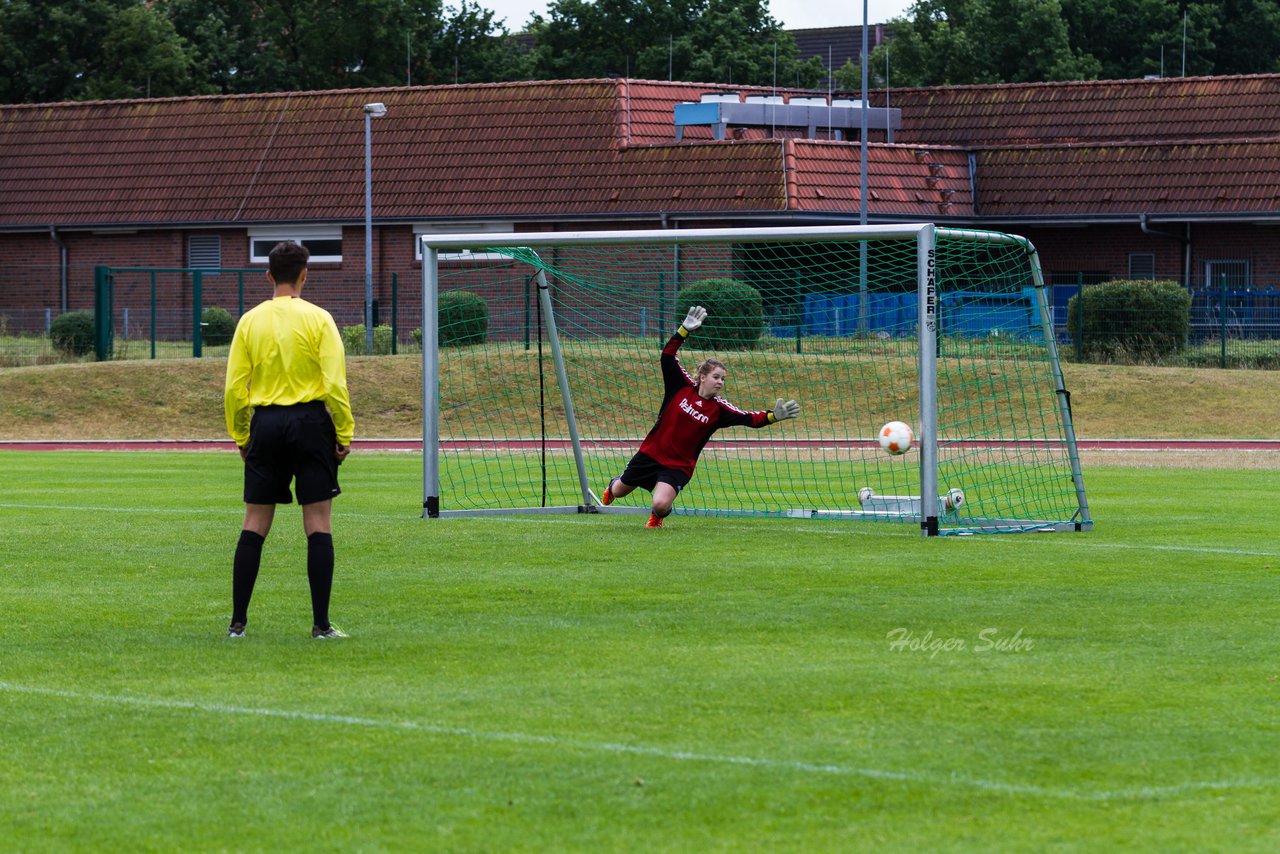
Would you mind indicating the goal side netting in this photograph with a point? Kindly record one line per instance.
(536, 405)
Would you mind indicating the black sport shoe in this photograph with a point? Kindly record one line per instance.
(327, 633)
(235, 630)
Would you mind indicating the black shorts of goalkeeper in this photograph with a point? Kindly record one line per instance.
(645, 472)
(291, 444)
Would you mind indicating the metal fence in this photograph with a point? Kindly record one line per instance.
(1230, 327)
(155, 314)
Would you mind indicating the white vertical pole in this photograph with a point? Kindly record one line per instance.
(368, 232)
(430, 383)
(864, 289)
(927, 282)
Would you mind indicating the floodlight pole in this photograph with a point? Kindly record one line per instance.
(371, 112)
(864, 290)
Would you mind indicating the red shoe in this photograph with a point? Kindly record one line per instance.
(654, 521)
(607, 498)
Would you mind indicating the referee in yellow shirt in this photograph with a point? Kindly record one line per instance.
(287, 370)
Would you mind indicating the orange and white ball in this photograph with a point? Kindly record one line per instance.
(896, 437)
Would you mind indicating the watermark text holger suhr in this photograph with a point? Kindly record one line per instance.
(988, 640)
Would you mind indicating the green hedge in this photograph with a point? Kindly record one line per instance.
(218, 326)
(72, 333)
(464, 319)
(735, 316)
(1130, 321)
(354, 340)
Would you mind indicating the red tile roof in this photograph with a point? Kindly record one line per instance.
(903, 181)
(1104, 179)
(1199, 108)
(606, 148)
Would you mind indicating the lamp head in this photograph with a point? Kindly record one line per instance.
(376, 109)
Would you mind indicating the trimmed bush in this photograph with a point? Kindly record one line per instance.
(735, 316)
(464, 319)
(354, 340)
(217, 326)
(72, 333)
(1128, 321)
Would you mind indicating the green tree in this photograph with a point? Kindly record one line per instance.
(141, 55)
(56, 50)
(248, 46)
(468, 46)
(1133, 38)
(728, 41)
(1244, 40)
(951, 42)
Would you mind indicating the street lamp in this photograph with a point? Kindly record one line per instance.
(371, 112)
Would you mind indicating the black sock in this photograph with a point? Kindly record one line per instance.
(244, 572)
(320, 575)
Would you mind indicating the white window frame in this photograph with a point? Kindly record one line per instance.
(302, 234)
(1234, 268)
(451, 228)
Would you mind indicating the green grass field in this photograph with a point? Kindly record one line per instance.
(581, 683)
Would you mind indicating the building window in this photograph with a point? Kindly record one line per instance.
(1233, 274)
(204, 252)
(1142, 265)
(450, 228)
(324, 243)
(1080, 277)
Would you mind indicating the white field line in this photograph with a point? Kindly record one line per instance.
(1067, 540)
(617, 748)
(1063, 540)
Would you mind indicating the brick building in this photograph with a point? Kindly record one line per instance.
(1176, 178)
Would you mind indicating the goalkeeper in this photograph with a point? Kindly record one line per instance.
(691, 411)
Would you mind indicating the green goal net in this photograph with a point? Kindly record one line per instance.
(536, 405)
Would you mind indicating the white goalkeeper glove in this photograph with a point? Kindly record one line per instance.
(785, 409)
(694, 318)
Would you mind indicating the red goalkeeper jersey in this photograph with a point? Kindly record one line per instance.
(686, 420)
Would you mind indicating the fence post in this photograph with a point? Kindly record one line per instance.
(395, 311)
(197, 312)
(153, 314)
(103, 336)
(799, 313)
(662, 304)
(527, 308)
(1079, 317)
(1222, 322)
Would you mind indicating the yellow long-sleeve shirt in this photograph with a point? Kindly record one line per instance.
(286, 351)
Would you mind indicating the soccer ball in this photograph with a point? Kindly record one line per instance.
(865, 494)
(896, 437)
(953, 499)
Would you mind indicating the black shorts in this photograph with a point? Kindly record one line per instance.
(291, 443)
(646, 472)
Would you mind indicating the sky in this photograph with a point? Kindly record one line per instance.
(794, 14)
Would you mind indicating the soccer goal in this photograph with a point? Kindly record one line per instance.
(541, 373)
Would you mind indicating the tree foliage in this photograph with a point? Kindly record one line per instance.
(55, 50)
(720, 41)
(942, 42)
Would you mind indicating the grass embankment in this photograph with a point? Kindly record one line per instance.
(182, 399)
